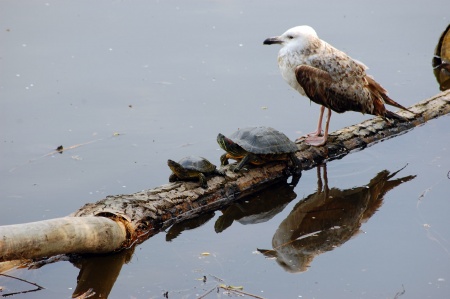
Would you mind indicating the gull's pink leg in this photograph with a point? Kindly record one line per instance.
(318, 131)
(317, 140)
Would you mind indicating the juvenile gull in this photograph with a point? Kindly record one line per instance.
(328, 77)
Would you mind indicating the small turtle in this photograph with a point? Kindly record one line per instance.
(192, 168)
(257, 145)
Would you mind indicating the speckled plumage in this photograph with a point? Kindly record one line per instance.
(328, 76)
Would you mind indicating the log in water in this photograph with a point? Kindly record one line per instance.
(132, 218)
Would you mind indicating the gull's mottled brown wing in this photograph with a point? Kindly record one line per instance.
(338, 95)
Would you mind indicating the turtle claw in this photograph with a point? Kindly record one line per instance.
(295, 179)
(220, 171)
(236, 169)
(300, 139)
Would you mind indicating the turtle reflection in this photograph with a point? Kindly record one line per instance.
(189, 224)
(258, 208)
(327, 219)
(252, 209)
(441, 60)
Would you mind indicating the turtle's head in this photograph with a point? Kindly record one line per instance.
(229, 145)
(173, 165)
(224, 142)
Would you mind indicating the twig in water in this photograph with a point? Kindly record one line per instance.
(400, 293)
(230, 289)
(216, 278)
(205, 294)
(22, 292)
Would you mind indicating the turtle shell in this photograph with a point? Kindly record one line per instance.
(199, 164)
(263, 141)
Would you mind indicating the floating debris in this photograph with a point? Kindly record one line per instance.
(231, 287)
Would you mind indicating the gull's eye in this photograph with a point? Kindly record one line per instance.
(290, 37)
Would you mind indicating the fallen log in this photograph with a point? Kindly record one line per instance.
(140, 215)
(60, 235)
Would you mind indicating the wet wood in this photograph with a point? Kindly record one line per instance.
(60, 235)
(145, 213)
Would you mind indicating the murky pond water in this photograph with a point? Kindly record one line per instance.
(130, 84)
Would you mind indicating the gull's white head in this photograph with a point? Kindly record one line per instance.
(296, 37)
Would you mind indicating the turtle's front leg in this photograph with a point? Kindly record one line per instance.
(203, 181)
(220, 172)
(247, 159)
(224, 159)
(173, 178)
(297, 164)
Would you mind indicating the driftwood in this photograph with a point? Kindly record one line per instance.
(140, 215)
(60, 235)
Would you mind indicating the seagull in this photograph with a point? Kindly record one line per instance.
(330, 78)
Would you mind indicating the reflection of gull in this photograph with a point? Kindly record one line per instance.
(328, 77)
(327, 219)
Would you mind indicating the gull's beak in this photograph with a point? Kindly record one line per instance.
(273, 40)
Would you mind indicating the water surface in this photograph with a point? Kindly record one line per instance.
(130, 84)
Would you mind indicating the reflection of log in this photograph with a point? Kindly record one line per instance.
(144, 213)
(99, 273)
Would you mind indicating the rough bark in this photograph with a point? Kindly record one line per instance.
(144, 213)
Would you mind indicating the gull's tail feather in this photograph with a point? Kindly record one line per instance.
(376, 88)
(391, 102)
(391, 115)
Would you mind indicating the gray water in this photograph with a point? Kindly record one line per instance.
(126, 85)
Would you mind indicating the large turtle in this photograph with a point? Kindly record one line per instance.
(257, 145)
(192, 168)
